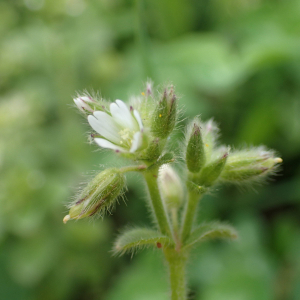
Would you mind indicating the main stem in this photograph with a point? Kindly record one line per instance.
(157, 204)
(175, 257)
(177, 264)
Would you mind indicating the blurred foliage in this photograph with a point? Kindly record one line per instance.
(236, 60)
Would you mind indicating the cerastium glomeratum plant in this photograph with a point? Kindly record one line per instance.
(140, 132)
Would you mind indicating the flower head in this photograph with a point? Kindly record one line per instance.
(121, 129)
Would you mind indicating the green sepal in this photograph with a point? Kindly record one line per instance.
(133, 239)
(242, 174)
(164, 159)
(165, 115)
(195, 153)
(153, 152)
(210, 231)
(211, 172)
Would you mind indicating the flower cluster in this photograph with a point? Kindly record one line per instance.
(139, 131)
(207, 163)
(122, 128)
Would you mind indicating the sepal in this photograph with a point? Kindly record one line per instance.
(195, 154)
(165, 114)
(211, 172)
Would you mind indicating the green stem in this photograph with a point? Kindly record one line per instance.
(189, 213)
(157, 204)
(177, 264)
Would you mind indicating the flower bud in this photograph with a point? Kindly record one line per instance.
(99, 195)
(195, 154)
(249, 165)
(211, 172)
(170, 187)
(87, 104)
(165, 115)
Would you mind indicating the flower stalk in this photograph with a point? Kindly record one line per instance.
(190, 211)
(158, 206)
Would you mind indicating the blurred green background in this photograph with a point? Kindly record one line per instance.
(236, 60)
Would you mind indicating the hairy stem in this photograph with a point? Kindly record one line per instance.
(157, 203)
(189, 213)
(177, 264)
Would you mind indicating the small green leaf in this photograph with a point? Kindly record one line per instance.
(209, 231)
(137, 238)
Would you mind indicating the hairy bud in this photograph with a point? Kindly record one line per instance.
(249, 165)
(99, 195)
(165, 114)
(195, 154)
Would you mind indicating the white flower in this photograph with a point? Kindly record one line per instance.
(121, 131)
(83, 103)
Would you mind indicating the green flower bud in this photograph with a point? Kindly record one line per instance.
(99, 195)
(170, 187)
(195, 153)
(249, 165)
(165, 115)
(211, 172)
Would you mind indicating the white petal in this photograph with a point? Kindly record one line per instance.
(106, 144)
(122, 105)
(122, 115)
(138, 118)
(104, 125)
(136, 142)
